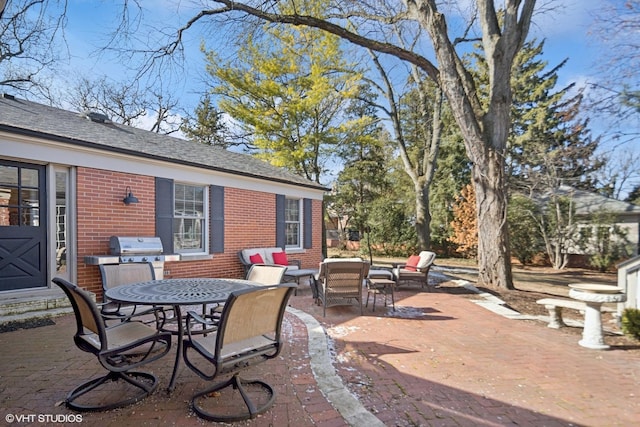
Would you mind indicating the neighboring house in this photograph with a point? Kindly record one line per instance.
(64, 175)
(590, 208)
(337, 233)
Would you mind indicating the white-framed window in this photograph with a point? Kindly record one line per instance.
(189, 218)
(293, 223)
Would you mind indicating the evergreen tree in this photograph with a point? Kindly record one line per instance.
(550, 145)
(207, 126)
(634, 196)
(364, 177)
(452, 174)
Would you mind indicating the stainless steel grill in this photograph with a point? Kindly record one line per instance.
(136, 249)
(129, 249)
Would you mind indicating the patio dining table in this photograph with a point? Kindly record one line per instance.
(177, 293)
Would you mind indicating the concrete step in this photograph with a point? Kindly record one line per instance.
(30, 316)
(33, 304)
(16, 306)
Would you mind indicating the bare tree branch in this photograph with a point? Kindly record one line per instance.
(30, 33)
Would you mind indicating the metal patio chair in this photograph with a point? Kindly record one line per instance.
(123, 274)
(264, 274)
(249, 332)
(119, 349)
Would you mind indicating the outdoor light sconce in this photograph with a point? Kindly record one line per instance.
(130, 197)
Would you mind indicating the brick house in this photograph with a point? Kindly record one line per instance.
(64, 175)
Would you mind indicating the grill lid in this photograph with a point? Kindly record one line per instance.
(122, 245)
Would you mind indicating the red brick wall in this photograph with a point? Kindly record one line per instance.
(249, 222)
(101, 214)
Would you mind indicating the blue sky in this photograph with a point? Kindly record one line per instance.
(566, 30)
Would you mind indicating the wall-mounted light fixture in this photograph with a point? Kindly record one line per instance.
(130, 197)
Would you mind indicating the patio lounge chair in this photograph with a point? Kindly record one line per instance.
(340, 282)
(249, 332)
(264, 274)
(415, 270)
(119, 349)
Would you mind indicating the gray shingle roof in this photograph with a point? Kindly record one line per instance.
(587, 203)
(30, 118)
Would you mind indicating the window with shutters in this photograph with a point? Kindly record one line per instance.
(293, 223)
(189, 218)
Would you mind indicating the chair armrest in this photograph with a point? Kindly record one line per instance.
(295, 262)
(245, 264)
(108, 307)
(398, 264)
(198, 318)
(242, 260)
(195, 318)
(118, 361)
(159, 313)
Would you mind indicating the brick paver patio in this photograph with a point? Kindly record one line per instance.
(439, 360)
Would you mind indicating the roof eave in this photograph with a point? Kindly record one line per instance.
(87, 144)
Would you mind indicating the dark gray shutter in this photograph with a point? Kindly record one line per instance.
(307, 224)
(216, 213)
(281, 239)
(164, 213)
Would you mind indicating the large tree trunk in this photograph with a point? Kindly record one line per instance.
(494, 259)
(423, 215)
(485, 130)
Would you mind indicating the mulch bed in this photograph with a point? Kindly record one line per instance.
(25, 324)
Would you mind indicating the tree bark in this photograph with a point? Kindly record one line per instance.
(485, 132)
(423, 215)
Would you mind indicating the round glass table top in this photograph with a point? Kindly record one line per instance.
(178, 291)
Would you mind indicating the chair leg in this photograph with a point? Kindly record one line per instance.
(147, 388)
(239, 384)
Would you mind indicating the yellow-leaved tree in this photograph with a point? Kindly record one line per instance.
(287, 91)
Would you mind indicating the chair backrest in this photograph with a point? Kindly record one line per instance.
(88, 318)
(122, 274)
(266, 274)
(251, 323)
(426, 259)
(341, 259)
(344, 274)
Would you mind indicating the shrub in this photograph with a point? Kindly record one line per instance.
(631, 322)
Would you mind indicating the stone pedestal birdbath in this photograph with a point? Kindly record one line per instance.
(594, 295)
